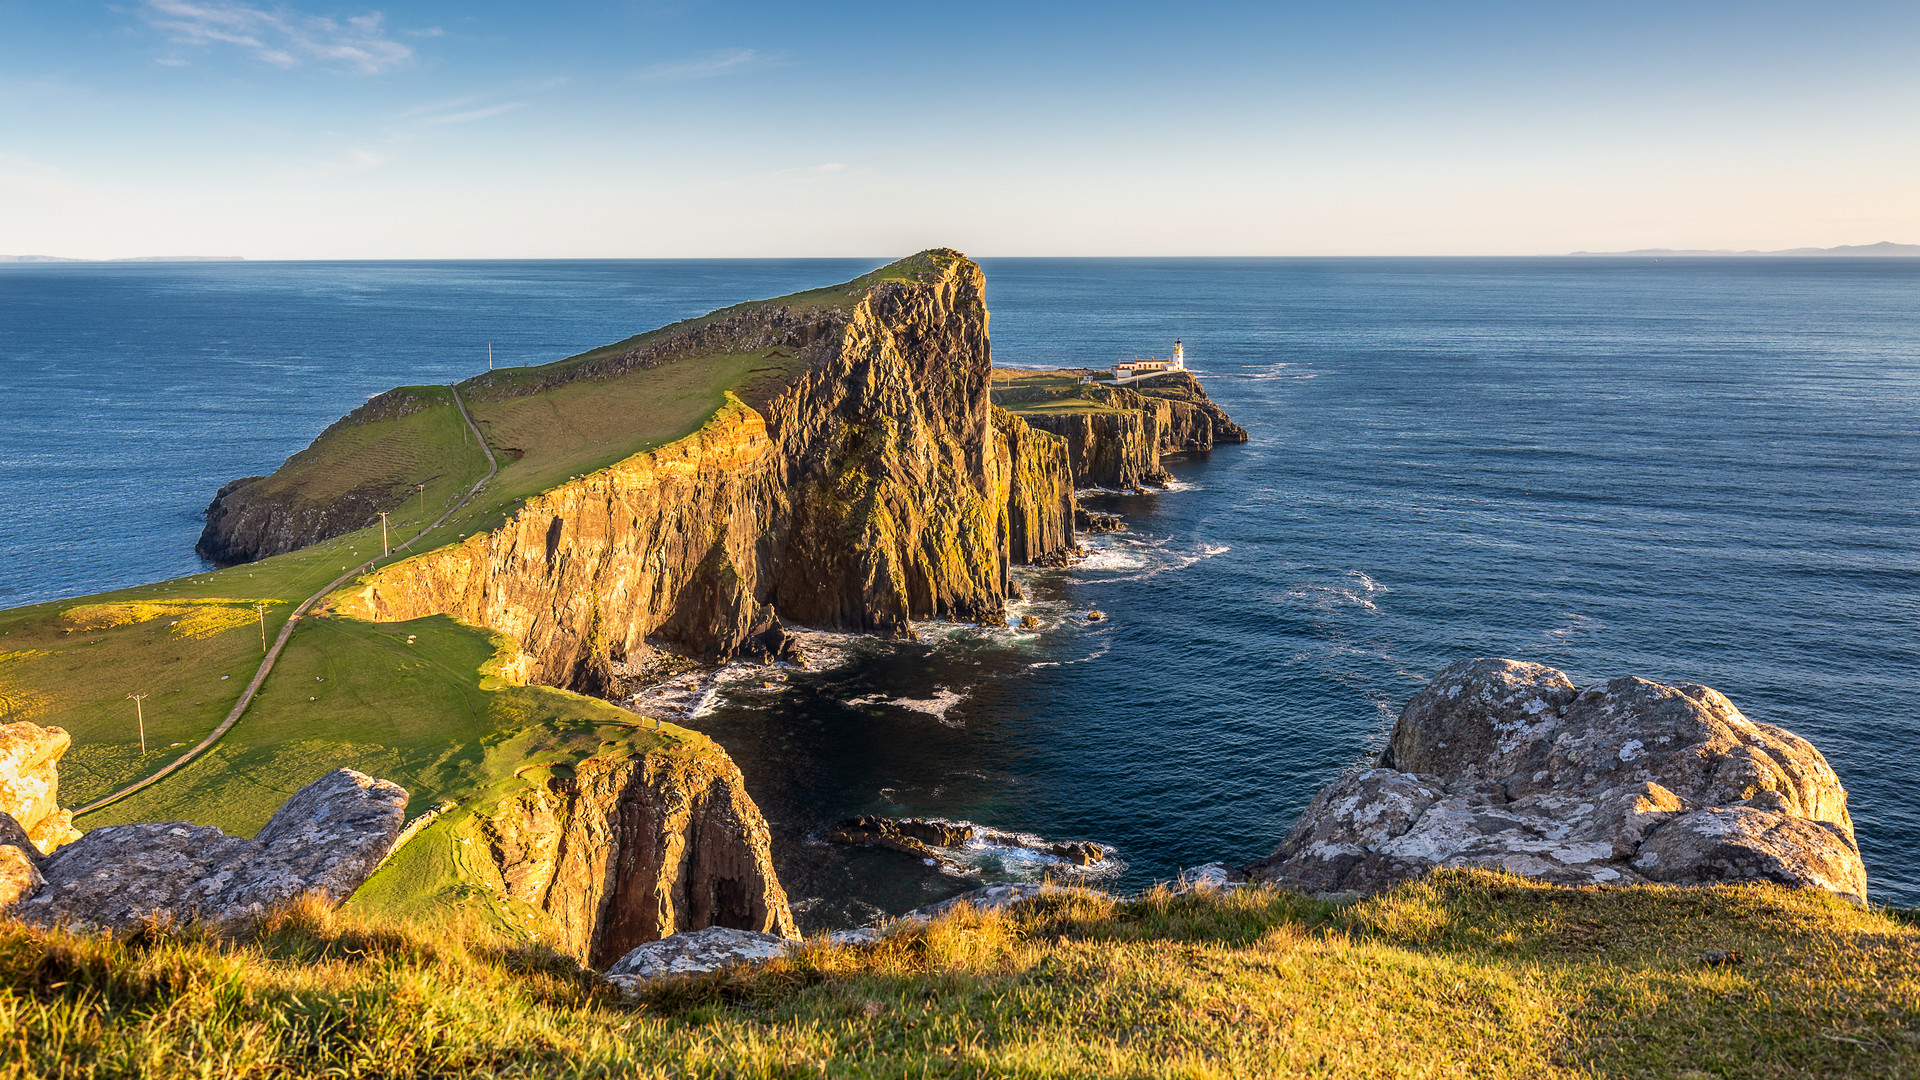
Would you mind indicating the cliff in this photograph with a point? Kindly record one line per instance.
(1116, 435)
(866, 484)
(622, 849)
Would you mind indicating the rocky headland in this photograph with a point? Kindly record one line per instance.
(1116, 436)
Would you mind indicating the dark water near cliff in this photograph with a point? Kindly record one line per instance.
(1688, 470)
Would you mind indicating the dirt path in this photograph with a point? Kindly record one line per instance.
(286, 632)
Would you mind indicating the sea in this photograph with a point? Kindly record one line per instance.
(1687, 469)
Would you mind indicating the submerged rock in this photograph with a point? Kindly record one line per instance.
(1505, 765)
(908, 836)
(324, 841)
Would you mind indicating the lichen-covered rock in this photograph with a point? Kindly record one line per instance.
(30, 782)
(324, 841)
(693, 953)
(1504, 765)
(631, 849)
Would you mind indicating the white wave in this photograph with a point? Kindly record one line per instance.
(1575, 625)
(1358, 590)
(937, 706)
(1282, 370)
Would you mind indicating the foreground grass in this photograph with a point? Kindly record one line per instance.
(1467, 974)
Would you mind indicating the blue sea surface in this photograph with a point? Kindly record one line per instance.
(1685, 469)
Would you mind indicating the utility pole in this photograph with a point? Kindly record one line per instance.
(140, 715)
(489, 356)
(423, 501)
(384, 550)
(262, 609)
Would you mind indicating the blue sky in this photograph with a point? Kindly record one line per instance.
(315, 129)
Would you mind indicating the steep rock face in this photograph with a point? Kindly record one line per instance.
(877, 488)
(324, 841)
(1504, 765)
(669, 541)
(1039, 500)
(1117, 450)
(631, 850)
(30, 783)
(1191, 421)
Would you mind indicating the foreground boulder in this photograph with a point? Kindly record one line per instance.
(694, 953)
(30, 783)
(324, 841)
(1505, 765)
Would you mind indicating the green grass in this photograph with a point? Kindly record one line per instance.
(1467, 974)
(1024, 390)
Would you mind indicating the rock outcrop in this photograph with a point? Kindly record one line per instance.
(1118, 440)
(324, 841)
(30, 784)
(1505, 765)
(875, 487)
(631, 849)
(695, 952)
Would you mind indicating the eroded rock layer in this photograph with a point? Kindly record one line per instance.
(1505, 765)
(630, 850)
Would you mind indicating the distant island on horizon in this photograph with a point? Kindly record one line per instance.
(137, 258)
(1883, 248)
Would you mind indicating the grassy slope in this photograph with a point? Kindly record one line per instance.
(1465, 975)
(1022, 390)
(346, 692)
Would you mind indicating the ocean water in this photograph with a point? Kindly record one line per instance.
(1703, 470)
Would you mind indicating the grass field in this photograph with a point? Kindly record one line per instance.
(1467, 974)
(191, 644)
(1026, 390)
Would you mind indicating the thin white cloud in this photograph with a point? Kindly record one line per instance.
(280, 35)
(474, 114)
(725, 62)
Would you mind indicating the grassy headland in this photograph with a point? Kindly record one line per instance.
(345, 692)
(1467, 974)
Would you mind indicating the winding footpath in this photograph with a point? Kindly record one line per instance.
(286, 631)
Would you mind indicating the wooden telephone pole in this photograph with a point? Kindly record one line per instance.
(140, 715)
(384, 549)
(262, 609)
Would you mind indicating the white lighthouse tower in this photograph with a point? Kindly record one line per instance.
(1179, 357)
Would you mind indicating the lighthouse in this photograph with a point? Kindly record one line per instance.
(1179, 356)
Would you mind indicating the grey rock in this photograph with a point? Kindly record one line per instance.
(1504, 765)
(694, 952)
(324, 841)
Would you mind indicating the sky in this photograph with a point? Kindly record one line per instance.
(317, 129)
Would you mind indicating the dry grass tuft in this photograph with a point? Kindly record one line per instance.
(1464, 974)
